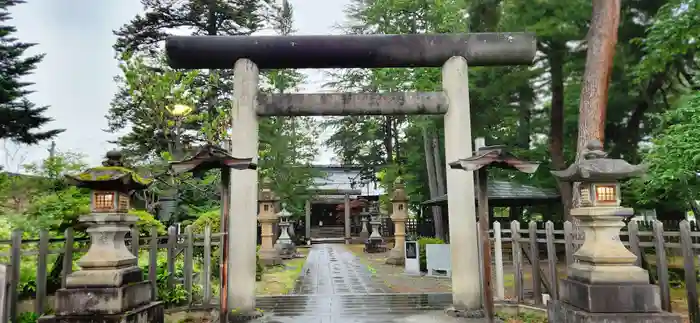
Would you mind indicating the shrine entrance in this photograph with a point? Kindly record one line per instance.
(451, 52)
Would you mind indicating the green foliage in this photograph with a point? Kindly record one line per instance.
(28, 317)
(41, 199)
(147, 222)
(169, 296)
(422, 241)
(259, 268)
(145, 32)
(149, 91)
(670, 40)
(674, 158)
(213, 218)
(210, 218)
(55, 211)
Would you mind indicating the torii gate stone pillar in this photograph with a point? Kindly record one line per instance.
(246, 54)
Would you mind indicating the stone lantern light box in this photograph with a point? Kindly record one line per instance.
(599, 176)
(110, 185)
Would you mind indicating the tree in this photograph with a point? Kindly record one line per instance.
(149, 90)
(146, 31)
(143, 37)
(396, 145)
(287, 145)
(673, 159)
(20, 119)
(670, 52)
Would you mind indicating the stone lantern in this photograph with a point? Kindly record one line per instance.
(364, 219)
(285, 245)
(375, 221)
(399, 202)
(375, 242)
(603, 284)
(109, 286)
(269, 255)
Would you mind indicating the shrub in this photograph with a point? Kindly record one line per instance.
(146, 222)
(211, 218)
(177, 295)
(259, 268)
(422, 241)
(27, 317)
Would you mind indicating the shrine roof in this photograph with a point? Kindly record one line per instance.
(505, 192)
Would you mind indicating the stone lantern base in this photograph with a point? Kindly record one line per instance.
(110, 287)
(270, 257)
(396, 257)
(151, 312)
(605, 285)
(561, 312)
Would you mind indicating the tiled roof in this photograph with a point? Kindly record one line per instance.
(504, 190)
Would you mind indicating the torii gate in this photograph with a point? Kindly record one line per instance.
(452, 52)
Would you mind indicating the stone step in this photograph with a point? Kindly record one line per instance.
(322, 240)
(348, 305)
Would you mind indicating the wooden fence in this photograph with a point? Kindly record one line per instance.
(186, 265)
(539, 258)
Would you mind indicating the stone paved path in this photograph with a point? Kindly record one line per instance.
(336, 287)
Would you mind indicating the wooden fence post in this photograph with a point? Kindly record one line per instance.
(633, 240)
(552, 260)
(517, 260)
(67, 256)
(41, 291)
(691, 281)
(189, 270)
(535, 262)
(153, 263)
(135, 243)
(15, 262)
(172, 255)
(4, 292)
(662, 266)
(498, 259)
(569, 242)
(206, 266)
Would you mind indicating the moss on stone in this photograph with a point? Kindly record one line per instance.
(107, 173)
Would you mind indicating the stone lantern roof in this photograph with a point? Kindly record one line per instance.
(399, 194)
(596, 167)
(111, 176)
(266, 195)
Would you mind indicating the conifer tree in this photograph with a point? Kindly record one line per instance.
(20, 119)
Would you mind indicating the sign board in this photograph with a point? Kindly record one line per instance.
(411, 258)
(4, 292)
(438, 260)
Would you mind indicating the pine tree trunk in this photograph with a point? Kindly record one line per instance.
(432, 182)
(602, 38)
(439, 166)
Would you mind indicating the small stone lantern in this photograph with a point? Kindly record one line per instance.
(110, 285)
(375, 242)
(285, 245)
(399, 202)
(604, 285)
(364, 219)
(267, 199)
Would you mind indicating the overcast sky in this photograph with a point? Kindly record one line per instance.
(75, 78)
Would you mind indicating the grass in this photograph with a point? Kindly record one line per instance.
(523, 317)
(281, 279)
